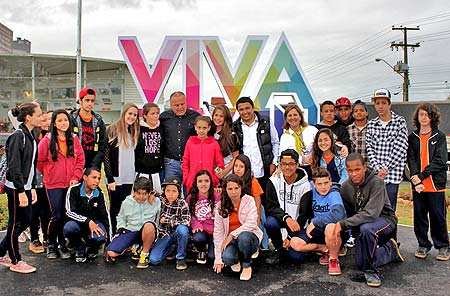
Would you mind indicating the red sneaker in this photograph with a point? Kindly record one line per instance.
(5, 261)
(22, 267)
(324, 259)
(334, 268)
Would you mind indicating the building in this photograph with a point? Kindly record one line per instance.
(51, 80)
(6, 38)
(21, 46)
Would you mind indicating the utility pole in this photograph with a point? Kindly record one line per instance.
(78, 74)
(403, 67)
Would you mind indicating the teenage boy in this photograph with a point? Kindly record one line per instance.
(343, 109)
(321, 208)
(284, 192)
(85, 207)
(174, 224)
(90, 128)
(357, 130)
(136, 222)
(387, 144)
(369, 214)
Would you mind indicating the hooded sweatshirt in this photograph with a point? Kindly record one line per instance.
(133, 215)
(327, 208)
(366, 202)
(282, 199)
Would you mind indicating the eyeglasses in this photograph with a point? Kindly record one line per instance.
(288, 164)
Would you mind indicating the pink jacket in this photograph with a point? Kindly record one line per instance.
(248, 216)
(201, 155)
(203, 218)
(59, 173)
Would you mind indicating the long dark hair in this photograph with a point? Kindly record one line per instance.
(228, 139)
(54, 135)
(247, 177)
(316, 152)
(21, 111)
(226, 205)
(195, 192)
(433, 114)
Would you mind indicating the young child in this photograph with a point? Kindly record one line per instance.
(202, 200)
(136, 222)
(173, 226)
(61, 161)
(202, 152)
(322, 207)
(148, 158)
(85, 207)
(325, 155)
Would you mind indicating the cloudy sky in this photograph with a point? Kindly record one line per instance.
(336, 42)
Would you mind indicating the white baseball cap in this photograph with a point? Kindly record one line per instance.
(382, 93)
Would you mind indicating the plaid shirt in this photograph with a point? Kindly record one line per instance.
(387, 146)
(175, 214)
(358, 138)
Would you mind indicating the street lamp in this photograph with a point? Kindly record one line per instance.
(400, 67)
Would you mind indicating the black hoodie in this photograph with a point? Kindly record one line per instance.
(373, 202)
(148, 152)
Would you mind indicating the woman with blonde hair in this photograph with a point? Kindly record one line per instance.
(119, 158)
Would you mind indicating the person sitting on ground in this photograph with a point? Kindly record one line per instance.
(85, 207)
(236, 232)
(283, 195)
(370, 214)
(323, 207)
(136, 222)
(202, 200)
(173, 227)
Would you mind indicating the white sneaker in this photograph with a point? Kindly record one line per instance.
(255, 255)
(236, 267)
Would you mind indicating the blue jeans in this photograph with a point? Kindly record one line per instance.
(392, 191)
(163, 245)
(241, 249)
(204, 242)
(172, 167)
(265, 239)
(273, 228)
(373, 248)
(80, 236)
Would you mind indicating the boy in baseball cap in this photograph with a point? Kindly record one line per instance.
(343, 109)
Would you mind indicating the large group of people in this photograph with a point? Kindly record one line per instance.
(181, 184)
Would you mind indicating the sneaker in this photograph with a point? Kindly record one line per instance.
(324, 259)
(236, 267)
(201, 258)
(397, 256)
(80, 256)
(143, 261)
(92, 253)
(443, 254)
(45, 244)
(135, 254)
(421, 253)
(246, 274)
(273, 258)
(52, 252)
(36, 247)
(350, 242)
(255, 255)
(64, 253)
(22, 267)
(334, 267)
(22, 237)
(5, 261)
(373, 279)
(181, 264)
(343, 251)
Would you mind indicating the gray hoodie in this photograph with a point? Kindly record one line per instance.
(366, 202)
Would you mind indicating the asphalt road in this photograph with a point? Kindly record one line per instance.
(413, 277)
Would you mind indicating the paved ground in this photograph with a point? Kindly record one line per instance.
(414, 277)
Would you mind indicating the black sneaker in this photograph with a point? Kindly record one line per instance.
(64, 253)
(201, 258)
(92, 253)
(373, 279)
(273, 258)
(181, 264)
(421, 253)
(80, 256)
(52, 252)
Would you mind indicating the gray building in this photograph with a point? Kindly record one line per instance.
(6, 38)
(21, 46)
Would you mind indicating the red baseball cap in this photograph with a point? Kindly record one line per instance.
(343, 101)
(86, 91)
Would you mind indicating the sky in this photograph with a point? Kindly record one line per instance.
(335, 42)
